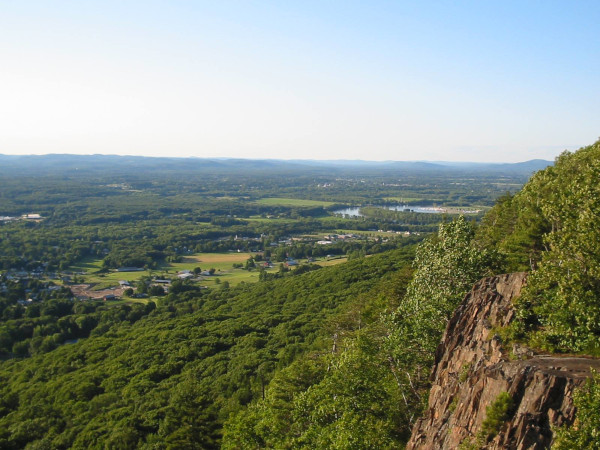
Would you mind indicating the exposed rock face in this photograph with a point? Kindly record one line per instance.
(473, 368)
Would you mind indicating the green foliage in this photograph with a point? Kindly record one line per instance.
(453, 405)
(172, 376)
(50, 323)
(344, 396)
(585, 432)
(552, 226)
(464, 372)
(564, 293)
(515, 227)
(358, 404)
(496, 415)
(446, 268)
(345, 399)
(267, 423)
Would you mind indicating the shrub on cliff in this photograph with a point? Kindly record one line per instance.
(585, 432)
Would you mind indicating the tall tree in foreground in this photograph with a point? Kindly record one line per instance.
(446, 265)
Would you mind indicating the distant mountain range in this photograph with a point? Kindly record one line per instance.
(71, 164)
(526, 166)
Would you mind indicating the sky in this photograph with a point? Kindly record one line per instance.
(490, 81)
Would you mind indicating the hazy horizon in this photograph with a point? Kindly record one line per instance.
(291, 160)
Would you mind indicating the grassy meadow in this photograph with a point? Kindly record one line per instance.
(221, 262)
(282, 201)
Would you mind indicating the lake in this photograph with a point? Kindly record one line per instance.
(354, 211)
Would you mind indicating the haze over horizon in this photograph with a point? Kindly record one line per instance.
(434, 81)
(72, 158)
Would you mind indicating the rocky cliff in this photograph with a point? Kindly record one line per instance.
(529, 393)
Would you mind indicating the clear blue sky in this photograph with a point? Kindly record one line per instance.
(377, 80)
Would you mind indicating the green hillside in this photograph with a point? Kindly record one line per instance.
(551, 228)
(170, 379)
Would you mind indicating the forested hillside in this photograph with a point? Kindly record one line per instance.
(170, 379)
(551, 228)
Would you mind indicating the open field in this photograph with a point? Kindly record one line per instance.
(281, 201)
(270, 219)
(221, 262)
(103, 280)
(87, 265)
(332, 261)
(215, 258)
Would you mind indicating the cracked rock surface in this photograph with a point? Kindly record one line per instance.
(473, 367)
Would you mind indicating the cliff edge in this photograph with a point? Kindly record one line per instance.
(473, 370)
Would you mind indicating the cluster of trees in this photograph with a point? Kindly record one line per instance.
(44, 325)
(53, 247)
(551, 228)
(407, 220)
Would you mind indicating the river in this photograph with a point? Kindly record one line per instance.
(354, 211)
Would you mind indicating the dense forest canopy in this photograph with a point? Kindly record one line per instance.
(551, 228)
(173, 376)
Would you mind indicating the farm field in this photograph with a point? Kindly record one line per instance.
(221, 262)
(325, 262)
(282, 201)
(278, 220)
(218, 261)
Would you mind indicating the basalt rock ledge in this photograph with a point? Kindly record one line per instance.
(473, 368)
